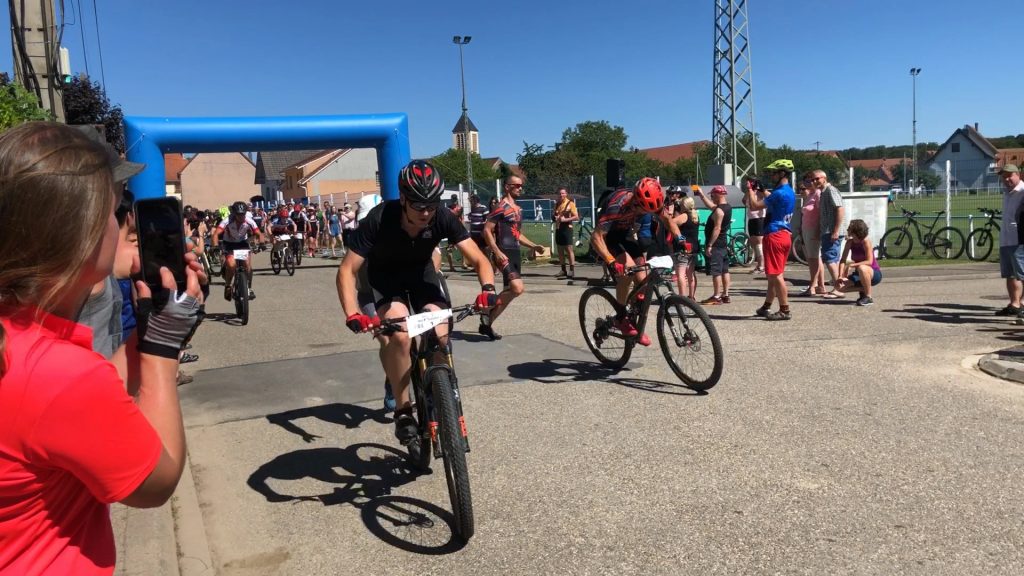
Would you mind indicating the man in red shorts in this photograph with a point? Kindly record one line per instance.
(777, 235)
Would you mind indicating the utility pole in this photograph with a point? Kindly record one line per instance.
(913, 73)
(461, 41)
(733, 134)
(37, 53)
(817, 145)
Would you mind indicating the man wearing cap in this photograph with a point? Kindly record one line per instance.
(716, 239)
(1011, 256)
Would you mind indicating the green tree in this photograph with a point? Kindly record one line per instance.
(593, 142)
(452, 164)
(18, 105)
(86, 102)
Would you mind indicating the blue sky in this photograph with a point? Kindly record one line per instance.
(824, 70)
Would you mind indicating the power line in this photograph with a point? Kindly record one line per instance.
(81, 29)
(99, 46)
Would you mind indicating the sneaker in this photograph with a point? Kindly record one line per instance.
(778, 315)
(184, 378)
(561, 275)
(726, 299)
(488, 331)
(405, 426)
(643, 340)
(389, 397)
(1009, 311)
(626, 327)
(865, 301)
(227, 292)
(711, 301)
(763, 312)
(252, 295)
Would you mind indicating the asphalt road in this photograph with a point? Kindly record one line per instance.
(848, 440)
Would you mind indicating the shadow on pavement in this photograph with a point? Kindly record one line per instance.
(348, 415)
(364, 476)
(225, 317)
(946, 313)
(552, 371)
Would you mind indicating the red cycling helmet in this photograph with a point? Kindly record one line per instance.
(282, 213)
(647, 193)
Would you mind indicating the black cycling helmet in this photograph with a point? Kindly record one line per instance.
(419, 181)
(239, 208)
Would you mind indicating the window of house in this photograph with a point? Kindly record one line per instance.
(956, 147)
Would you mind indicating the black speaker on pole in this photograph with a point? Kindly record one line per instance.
(615, 173)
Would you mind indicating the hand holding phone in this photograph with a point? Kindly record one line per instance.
(161, 234)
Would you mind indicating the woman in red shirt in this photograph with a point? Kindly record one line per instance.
(71, 439)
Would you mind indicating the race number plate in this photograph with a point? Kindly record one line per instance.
(661, 262)
(241, 254)
(419, 323)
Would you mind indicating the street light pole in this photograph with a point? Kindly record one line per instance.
(462, 41)
(913, 74)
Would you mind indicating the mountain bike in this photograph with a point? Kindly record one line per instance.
(438, 405)
(683, 326)
(946, 242)
(281, 255)
(216, 257)
(981, 240)
(297, 245)
(240, 290)
(739, 251)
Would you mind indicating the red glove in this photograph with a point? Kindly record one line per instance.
(486, 300)
(617, 268)
(361, 322)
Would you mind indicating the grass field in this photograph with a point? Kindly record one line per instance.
(965, 210)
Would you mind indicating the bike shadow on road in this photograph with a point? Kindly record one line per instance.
(363, 475)
(228, 318)
(553, 371)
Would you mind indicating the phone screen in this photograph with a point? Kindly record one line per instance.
(161, 240)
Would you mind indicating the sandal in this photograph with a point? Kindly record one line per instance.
(188, 357)
(833, 295)
(807, 292)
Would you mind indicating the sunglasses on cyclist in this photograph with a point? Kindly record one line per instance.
(424, 206)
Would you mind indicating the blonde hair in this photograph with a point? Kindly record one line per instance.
(691, 210)
(59, 168)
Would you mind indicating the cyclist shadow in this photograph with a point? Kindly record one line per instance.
(363, 475)
(552, 371)
(348, 415)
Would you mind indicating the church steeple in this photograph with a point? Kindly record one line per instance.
(459, 135)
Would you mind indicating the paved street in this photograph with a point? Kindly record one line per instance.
(848, 440)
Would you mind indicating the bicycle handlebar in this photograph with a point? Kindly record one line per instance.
(392, 325)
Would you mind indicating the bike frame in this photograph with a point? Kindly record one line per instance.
(917, 226)
(653, 284)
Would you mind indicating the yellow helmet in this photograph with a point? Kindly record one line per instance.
(781, 164)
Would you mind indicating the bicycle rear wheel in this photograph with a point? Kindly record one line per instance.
(453, 452)
(242, 294)
(598, 310)
(948, 243)
(979, 244)
(690, 342)
(798, 249)
(896, 243)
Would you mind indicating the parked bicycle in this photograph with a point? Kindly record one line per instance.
(282, 255)
(945, 243)
(438, 404)
(981, 240)
(684, 328)
(739, 250)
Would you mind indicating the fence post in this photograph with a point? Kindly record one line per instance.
(970, 230)
(948, 192)
(593, 203)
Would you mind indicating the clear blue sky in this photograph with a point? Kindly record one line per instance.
(824, 70)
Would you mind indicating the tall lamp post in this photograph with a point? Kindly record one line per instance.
(462, 41)
(913, 74)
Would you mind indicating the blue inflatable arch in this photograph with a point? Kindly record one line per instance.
(148, 139)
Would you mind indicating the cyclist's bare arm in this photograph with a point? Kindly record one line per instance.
(492, 243)
(215, 237)
(597, 241)
(472, 255)
(346, 282)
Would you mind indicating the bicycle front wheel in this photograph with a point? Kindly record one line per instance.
(690, 342)
(979, 244)
(242, 294)
(948, 243)
(275, 261)
(453, 452)
(419, 447)
(289, 262)
(598, 310)
(896, 243)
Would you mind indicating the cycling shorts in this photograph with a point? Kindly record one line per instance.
(228, 247)
(422, 288)
(622, 242)
(513, 269)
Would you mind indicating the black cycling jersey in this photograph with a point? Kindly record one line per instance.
(381, 239)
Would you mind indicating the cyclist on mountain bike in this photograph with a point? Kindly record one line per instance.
(396, 240)
(615, 242)
(236, 229)
(280, 225)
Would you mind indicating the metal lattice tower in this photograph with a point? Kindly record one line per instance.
(733, 123)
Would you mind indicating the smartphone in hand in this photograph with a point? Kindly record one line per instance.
(161, 233)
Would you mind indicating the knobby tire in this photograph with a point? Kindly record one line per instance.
(948, 243)
(897, 243)
(683, 319)
(242, 295)
(595, 319)
(980, 245)
(275, 261)
(453, 452)
(289, 262)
